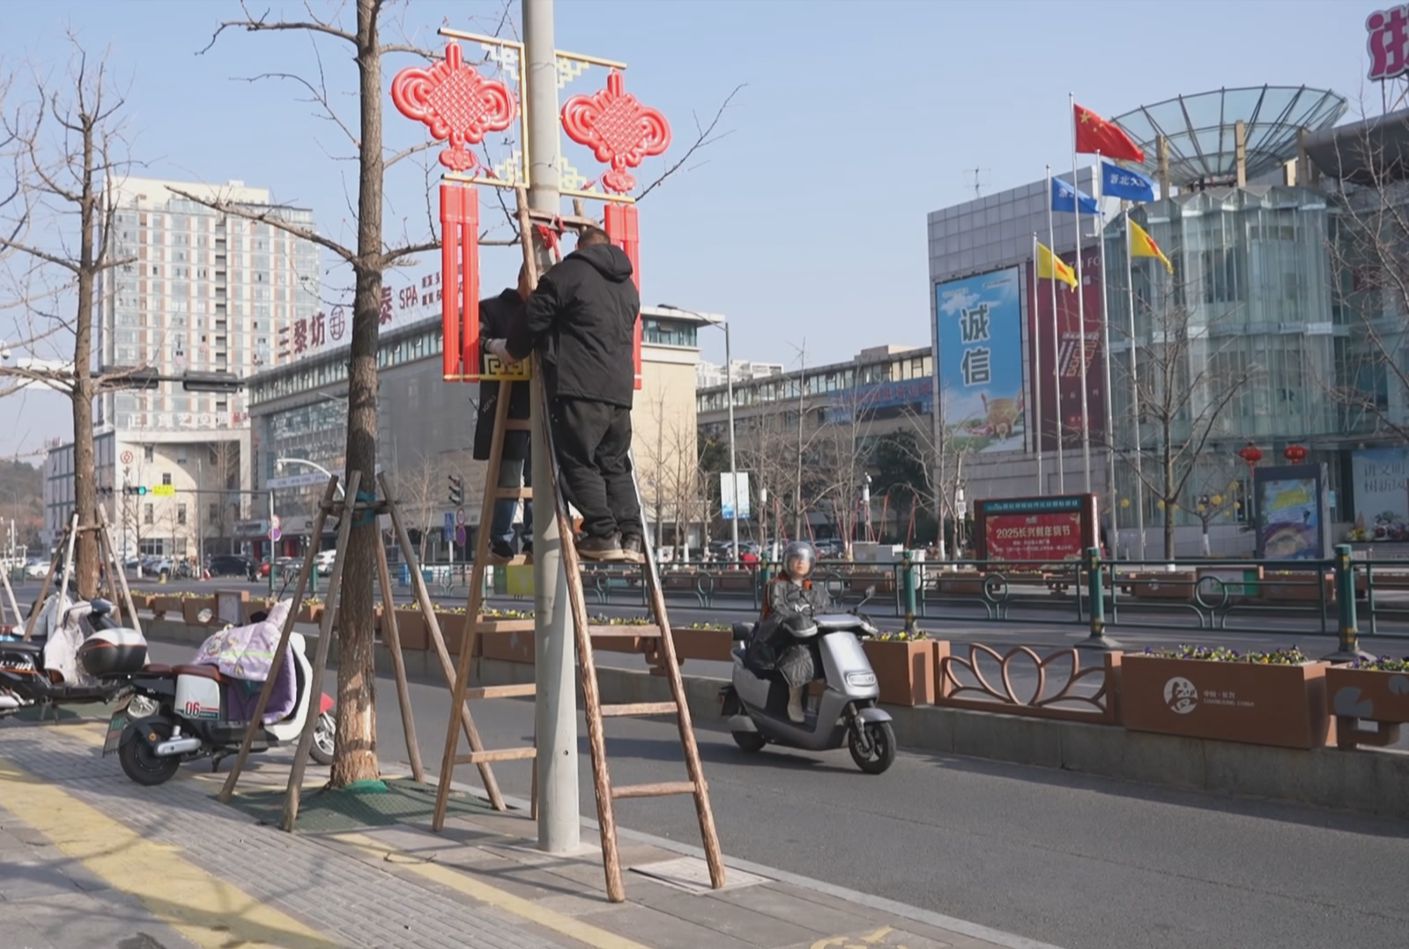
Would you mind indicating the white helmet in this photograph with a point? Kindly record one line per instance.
(796, 549)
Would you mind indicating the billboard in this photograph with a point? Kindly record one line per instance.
(979, 360)
(726, 496)
(1381, 493)
(1047, 529)
(1293, 513)
(1067, 380)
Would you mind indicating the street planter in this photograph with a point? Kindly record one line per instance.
(508, 647)
(904, 669)
(1364, 692)
(1177, 587)
(452, 631)
(706, 645)
(192, 608)
(1281, 586)
(963, 585)
(162, 604)
(411, 629)
(310, 613)
(1257, 702)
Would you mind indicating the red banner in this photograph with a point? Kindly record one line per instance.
(1068, 354)
(1034, 536)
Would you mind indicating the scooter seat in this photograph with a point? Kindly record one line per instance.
(156, 669)
(204, 671)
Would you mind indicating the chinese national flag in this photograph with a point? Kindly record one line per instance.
(1095, 134)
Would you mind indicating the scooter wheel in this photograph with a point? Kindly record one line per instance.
(138, 761)
(881, 754)
(324, 733)
(749, 741)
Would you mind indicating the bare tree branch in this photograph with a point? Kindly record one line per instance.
(703, 139)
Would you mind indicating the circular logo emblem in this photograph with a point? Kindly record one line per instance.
(127, 458)
(1180, 695)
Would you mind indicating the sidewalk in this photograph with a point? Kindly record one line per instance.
(91, 859)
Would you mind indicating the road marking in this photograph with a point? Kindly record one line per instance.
(207, 910)
(463, 882)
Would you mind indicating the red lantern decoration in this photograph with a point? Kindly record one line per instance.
(1250, 454)
(1296, 454)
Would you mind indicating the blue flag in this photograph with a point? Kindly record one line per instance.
(1064, 198)
(1118, 182)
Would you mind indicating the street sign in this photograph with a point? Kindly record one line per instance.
(449, 523)
(275, 533)
(164, 490)
(459, 516)
(460, 535)
(296, 481)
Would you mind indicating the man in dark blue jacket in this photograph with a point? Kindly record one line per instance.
(581, 319)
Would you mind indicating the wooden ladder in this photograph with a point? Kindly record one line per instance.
(583, 632)
(476, 627)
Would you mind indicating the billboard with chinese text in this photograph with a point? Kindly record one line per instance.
(1046, 529)
(1380, 493)
(405, 300)
(979, 360)
(1067, 379)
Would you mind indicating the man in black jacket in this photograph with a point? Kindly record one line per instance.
(581, 318)
(496, 316)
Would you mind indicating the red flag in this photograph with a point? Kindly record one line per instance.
(1095, 134)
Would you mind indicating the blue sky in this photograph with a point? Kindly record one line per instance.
(806, 223)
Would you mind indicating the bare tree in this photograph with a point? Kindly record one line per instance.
(225, 464)
(1369, 247)
(369, 259)
(1190, 374)
(942, 461)
(422, 487)
(838, 460)
(66, 147)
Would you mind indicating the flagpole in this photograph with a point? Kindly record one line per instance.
(1135, 393)
(1056, 351)
(1080, 297)
(1037, 371)
(1099, 190)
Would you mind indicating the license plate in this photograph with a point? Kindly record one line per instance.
(116, 726)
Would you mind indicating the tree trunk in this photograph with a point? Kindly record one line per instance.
(356, 758)
(85, 489)
(1169, 499)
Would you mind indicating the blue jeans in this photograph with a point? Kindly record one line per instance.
(512, 474)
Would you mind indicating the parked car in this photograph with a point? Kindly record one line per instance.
(36, 569)
(324, 561)
(230, 565)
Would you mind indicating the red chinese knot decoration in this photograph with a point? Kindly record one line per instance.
(620, 130)
(1296, 454)
(456, 103)
(1251, 454)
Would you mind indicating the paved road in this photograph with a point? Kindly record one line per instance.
(1076, 861)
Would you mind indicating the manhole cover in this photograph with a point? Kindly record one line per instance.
(691, 874)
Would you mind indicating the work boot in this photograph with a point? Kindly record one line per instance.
(500, 553)
(796, 715)
(600, 549)
(633, 549)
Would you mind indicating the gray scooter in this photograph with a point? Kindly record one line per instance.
(755, 704)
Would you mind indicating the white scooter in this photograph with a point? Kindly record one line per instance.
(180, 713)
(755, 704)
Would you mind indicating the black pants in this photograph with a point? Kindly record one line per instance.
(593, 440)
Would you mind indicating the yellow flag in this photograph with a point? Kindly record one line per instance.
(1051, 267)
(1143, 245)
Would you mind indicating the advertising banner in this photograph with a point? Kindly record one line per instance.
(979, 333)
(1292, 512)
(1045, 529)
(1069, 352)
(726, 495)
(1380, 485)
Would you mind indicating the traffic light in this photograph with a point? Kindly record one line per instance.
(140, 490)
(457, 491)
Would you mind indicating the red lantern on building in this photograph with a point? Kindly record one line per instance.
(1295, 454)
(1250, 454)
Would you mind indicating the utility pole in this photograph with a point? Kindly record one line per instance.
(555, 708)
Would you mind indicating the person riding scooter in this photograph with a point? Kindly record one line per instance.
(788, 607)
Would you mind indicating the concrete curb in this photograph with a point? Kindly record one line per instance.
(1367, 781)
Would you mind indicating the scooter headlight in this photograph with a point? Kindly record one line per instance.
(860, 680)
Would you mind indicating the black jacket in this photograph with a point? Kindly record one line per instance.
(497, 317)
(582, 318)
